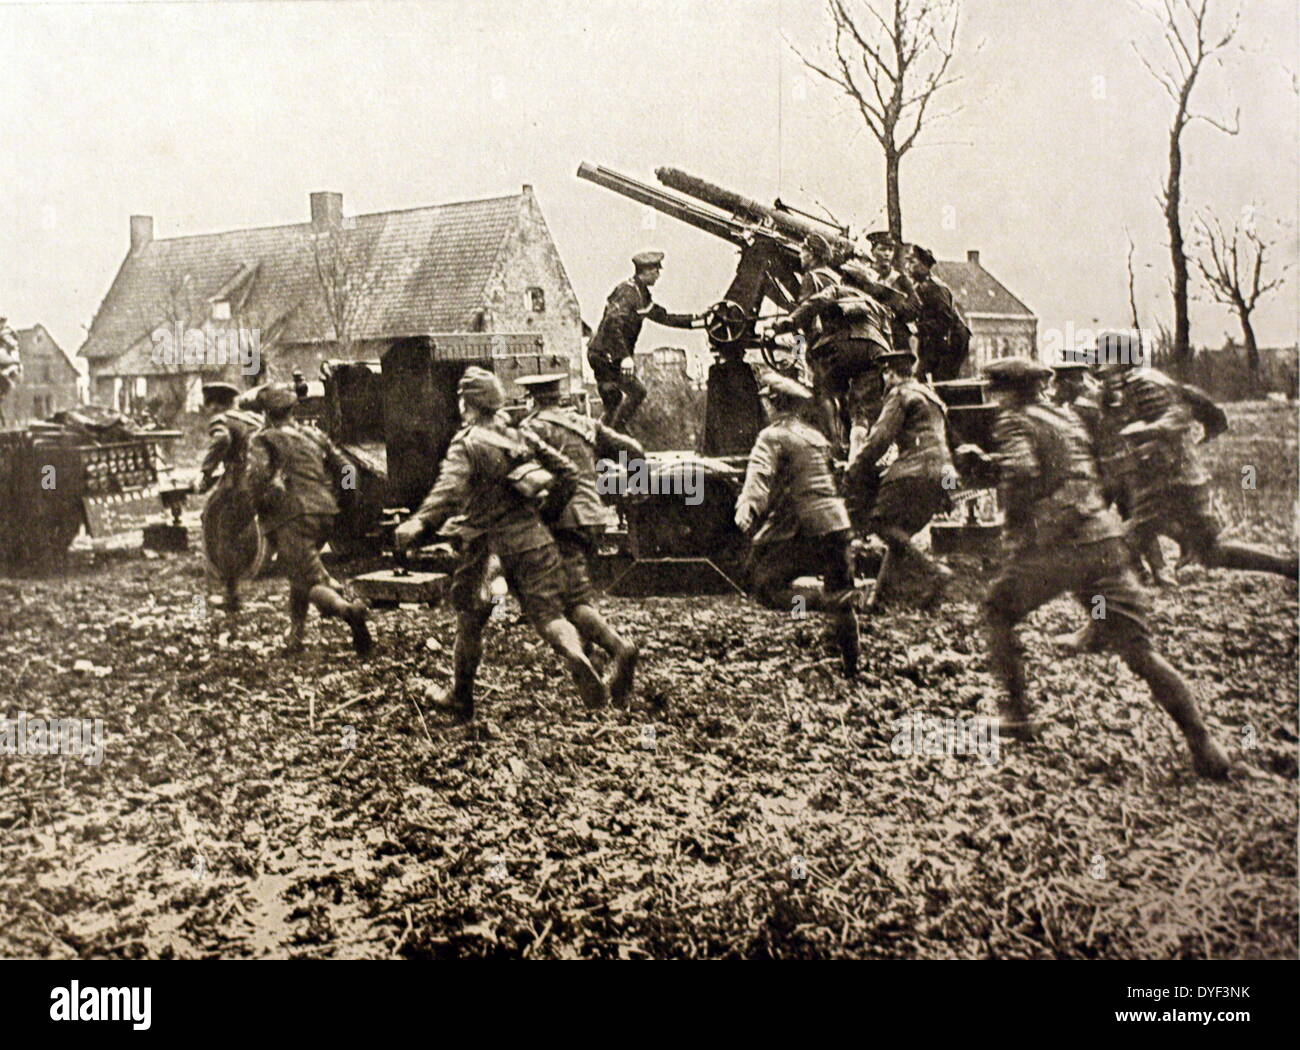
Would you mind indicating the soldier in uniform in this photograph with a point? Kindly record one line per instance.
(627, 307)
(292, 473)
(912, 489)
(845, 331)
(581, 523)
(1062, 536)
(942, 336)
(229, 516)
(790, 506)
(500, 519)
(1171, 492)
(230, 430)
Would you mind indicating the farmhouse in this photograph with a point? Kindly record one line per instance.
(256, 304)
(49, 378)
(1000, 324)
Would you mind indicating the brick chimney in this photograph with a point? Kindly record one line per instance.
(973, 256)
(141, 231)
(327, 209)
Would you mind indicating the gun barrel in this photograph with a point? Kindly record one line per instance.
(788, 223)
(653, 197)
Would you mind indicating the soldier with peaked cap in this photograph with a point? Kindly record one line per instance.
(1061, 536)
(581, 524)
(943, 339)
(614, 341)
(1171, 487)
(914, 487)
(229, 519)
(479, 479)
(292, 475)
(790, 506)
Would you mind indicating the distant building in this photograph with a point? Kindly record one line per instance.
(1000, 324)
(486, 266)
(49, 378)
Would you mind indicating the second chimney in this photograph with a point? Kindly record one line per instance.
(973, 257)
(141, 231)
(327, 209)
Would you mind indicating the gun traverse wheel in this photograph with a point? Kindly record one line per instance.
(726, 322)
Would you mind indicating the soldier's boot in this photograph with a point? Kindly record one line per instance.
(596, 631)
(563, 637)
(1226, 555)
(230, 601)
(298, 606)
(1170, 690)
(1155, 560)
(846, 633)
(1004, 656)
(331, 603)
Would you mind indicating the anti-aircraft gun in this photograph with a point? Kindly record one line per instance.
(768, 272)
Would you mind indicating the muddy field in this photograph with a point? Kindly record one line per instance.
(749, 804)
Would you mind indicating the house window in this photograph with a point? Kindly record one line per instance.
(536, 300)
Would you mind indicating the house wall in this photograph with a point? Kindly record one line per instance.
(995, 337)
(48, 383)
(530, 260)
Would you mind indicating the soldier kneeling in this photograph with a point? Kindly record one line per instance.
(802, 526)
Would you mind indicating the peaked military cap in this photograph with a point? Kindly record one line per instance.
(1015, 372)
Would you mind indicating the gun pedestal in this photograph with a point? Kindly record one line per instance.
(733, 413)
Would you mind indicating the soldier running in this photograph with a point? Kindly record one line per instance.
(914, 487)
(1075, 390)
(230, 433)
(1171, 495)
(628, 306)
(1061, 536)
(789, 497)
(476, 481)
(292, 473)
(581, 523)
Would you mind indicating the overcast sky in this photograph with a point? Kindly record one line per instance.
(212, 116)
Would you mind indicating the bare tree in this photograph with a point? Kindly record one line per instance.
(167, 321)
(346, 283)
(1191, 44)
(1232, 265)
(1132, 284)
(890, 57)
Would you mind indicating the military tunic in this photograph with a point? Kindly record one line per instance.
(790, 493)
(499, 520)
(1061, 535)
(582, 521)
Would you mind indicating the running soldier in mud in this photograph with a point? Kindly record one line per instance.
(230, 434)
(790, 505)
(581, 524)
(292, 472)
(1062, 536)
(845, 331)
(943, 340)
(1075, 389)
(914, 487)
(614, 342)
(483, 478)
(1171, 493)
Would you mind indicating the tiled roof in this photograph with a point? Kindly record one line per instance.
(977, 291)
(421, 270)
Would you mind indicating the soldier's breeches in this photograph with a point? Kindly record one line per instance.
(774, 566)
(297, 544)
(536, 578)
